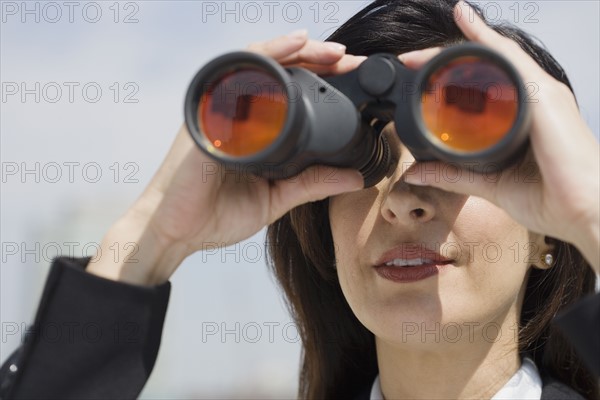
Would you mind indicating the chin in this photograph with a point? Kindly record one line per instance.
(424, 319)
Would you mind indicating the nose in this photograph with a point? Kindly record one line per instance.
(406, 204)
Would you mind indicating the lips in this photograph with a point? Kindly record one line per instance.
(410, 263)
(411, 255)
(403, 262)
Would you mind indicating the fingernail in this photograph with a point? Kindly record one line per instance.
(402, 57)
(415, 181)
(359, 59)
(413, 177)
(358, 183)
(298, 34)
(464, 9)
(463, 4)
(338, 47)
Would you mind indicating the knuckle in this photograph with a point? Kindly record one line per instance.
(555, 89)
(485, 36)
(255, 47)
(306, 186)
(509, 47)
(563, 90)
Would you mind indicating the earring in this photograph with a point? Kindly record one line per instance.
(547, 260)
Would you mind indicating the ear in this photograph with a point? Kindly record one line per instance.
(544, 256)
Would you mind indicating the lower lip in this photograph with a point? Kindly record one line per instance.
(409, 274)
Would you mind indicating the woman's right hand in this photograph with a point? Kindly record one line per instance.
(193, 203)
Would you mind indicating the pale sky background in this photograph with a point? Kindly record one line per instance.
(152, 59)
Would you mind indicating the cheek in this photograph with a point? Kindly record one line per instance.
(352, 218)
(493, 265)
(488, 232)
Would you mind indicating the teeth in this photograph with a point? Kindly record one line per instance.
(399, 262)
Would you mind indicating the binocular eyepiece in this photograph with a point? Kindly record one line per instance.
(467, 105)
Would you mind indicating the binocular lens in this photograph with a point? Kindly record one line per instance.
(469, 104)
(243, 112)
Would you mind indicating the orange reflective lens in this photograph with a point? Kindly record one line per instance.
(469, 104)
(243, 112)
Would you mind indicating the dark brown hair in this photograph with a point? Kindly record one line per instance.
(339, 358)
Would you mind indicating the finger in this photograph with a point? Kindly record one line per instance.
(416, 59)
(346, 64)
(315, 52)
(452, 178)
(475, 29)
(282, 46)
(314, 183)
(554, 107)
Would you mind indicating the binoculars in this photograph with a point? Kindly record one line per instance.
(467, 105)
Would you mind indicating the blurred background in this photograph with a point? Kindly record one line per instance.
(92, 96)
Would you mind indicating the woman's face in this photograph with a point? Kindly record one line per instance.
(473, 260)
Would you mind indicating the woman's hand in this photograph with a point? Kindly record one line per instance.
(193, 203)
(555, 189)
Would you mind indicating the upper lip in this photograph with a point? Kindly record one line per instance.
(409, 253)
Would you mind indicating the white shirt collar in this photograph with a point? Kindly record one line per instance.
(526, 383)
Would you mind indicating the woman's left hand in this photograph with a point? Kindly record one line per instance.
(555, 189)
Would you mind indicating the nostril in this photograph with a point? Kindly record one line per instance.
(390, 214)
(418, 212)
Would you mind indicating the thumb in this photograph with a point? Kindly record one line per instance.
(312, 184)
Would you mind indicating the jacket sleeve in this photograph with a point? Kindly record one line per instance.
(92, 338)
(580, 323)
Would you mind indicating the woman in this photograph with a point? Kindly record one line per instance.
(366, 333)
(405, 337)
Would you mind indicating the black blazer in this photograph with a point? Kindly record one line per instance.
(106, 335)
